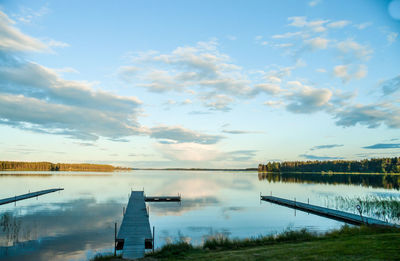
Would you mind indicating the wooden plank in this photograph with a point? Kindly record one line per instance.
(163, 199)
(28, 195)
(327, 212)
(135, 227)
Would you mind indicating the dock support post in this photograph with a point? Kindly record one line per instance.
(153, 239)
(115, 239)
(360, 210)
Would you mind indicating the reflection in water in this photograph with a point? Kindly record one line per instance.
(79, 222)
(62, 233)
(192, 188)
(366, 180)
(11, 230)
(176, 209)
(384, 208)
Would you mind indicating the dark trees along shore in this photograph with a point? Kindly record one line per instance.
(48, 166)
(383, 165)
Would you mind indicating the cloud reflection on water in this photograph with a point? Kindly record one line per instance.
(66, 232)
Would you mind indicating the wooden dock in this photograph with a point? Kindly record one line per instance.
(327, 212)
(163, 199)
(135, 230)
(134, 235)
(28, 195)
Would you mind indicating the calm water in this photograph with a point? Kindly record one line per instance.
(78, 222)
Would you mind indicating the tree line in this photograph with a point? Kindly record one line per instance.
(382, 165)
(48, 166)
(387, 181)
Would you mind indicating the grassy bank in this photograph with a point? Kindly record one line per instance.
(347, 243)
(354, 243)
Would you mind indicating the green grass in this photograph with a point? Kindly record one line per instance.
(347, 243)
(106, 257)
(221, 242)
(386, 208)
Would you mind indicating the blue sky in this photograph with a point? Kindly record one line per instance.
(199, 83)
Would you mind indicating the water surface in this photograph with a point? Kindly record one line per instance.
(78, 222)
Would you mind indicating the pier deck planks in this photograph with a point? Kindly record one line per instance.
(327, 212)
(28, 195)
(135, 227)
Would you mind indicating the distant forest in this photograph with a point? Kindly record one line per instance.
(48, 166)
(383, 165)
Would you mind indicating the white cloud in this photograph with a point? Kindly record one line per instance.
(321, 70)
(161, 81)
(351, 50)
(317, 43)
(66, 70)
(37, 98)
(390, 86)
(193, 152)
(372, 116)
(170, 102)
(219, 102)
(187, 101)
(74, 121)
(295, 84)
(189, 152)
(274, 79)
(314, 3)
(28, 15)
(269, 88)
(54, 43)
(298, 21)
(391, 37)
(338, 24)
(316, 26)
(188, 68)
(13, 40)
(286, 35)
(363, 25)
(34, 80)
(178, 134)
(349, 72)
(126, 73)
(274, 104)
(340, 71)
(306, 99)
(283, 45)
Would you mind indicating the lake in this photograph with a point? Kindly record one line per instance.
(78, 222)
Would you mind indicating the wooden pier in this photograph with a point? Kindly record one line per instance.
(327, 212)
(163, 199)
(134, 235)
(28, 195)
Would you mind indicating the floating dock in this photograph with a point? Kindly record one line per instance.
(327, 212)
(162, 199)
(134, 235)
(28, 195)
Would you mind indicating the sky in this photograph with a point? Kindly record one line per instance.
(212, 84)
